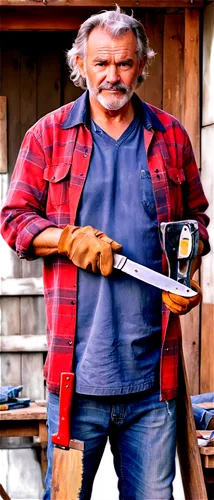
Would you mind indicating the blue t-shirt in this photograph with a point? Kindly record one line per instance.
(118, 335)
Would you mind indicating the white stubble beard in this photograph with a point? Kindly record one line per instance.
(111, 102)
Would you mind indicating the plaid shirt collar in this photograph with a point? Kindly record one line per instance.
(80, 113)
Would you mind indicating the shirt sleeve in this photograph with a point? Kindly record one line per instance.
(23, 214)
(195, 201)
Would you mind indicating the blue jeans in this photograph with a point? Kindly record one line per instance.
(142, 434)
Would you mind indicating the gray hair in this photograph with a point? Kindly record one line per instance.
(116, 23)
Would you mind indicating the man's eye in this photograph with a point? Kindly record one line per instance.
(125, 64)
(100, 64)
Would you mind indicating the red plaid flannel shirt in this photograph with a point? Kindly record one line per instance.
(45, 191)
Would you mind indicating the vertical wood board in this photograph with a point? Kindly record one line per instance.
(207, 177)
(192, 79)
(207, 323)
(3, 134)
(152, 88)
(173, 45)
(10, 87)
(191, 121)
(49, 74)
(69, 91)
(208, 66)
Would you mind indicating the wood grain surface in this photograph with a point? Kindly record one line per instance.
(104, 3)
(33, 412)
(208, 44)
(67, 478)
(3, 134)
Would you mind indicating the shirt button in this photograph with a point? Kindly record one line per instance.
(156, 170)
(53, 178)
(73, 302)
(158, 176)
(70, 342)
(81, 174)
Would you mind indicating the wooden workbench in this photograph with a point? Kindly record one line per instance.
(27, 422)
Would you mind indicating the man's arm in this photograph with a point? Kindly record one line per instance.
(46, 243)
(23, 215)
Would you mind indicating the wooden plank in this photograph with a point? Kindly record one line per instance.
(32, 412)
(10, 87)
(207, 450)
(152, 89)
(22, 286)
(11, 369)
(3, 193)
(208, 73)
(207, 275)
(49, 74)
(191, 347)
(43, 19)
(28, 64)
(192, 79)
(3, 134)
(187, 444)
(19, 430)
(32, 316)
(173, 90)
(33, 385)
(104, 3)
(24, 343)
(208, 461)
(70, 92)
(191, 121)
(43, 436)
(10, 73)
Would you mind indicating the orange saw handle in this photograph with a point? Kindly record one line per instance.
(62, 437)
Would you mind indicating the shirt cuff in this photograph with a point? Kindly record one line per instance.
(35, 226)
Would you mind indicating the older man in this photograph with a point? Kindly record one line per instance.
(103, 169)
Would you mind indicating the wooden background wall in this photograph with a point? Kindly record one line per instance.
(207, 161)
(34, 79)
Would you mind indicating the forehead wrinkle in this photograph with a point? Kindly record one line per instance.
(106, 53)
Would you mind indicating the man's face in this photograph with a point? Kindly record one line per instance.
(111, 68)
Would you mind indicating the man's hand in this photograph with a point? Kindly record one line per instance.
(88, 248)
(182, 305)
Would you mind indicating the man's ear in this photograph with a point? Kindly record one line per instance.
(80, 64)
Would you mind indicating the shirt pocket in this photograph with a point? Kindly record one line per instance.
(147, 195)
(58, 177)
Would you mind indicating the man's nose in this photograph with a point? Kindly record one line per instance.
(112, 75)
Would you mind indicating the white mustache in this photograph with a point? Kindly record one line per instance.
(116, 86)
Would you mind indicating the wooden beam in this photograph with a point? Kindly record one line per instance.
(39, 19)
(23, 343)
(104, 3)
(3, 134)
(21, 286)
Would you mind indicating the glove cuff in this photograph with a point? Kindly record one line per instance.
(65, 239)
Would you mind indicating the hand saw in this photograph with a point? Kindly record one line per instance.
(180, 243)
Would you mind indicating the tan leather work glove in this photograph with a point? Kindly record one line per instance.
(182, 305)
(88, 248)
